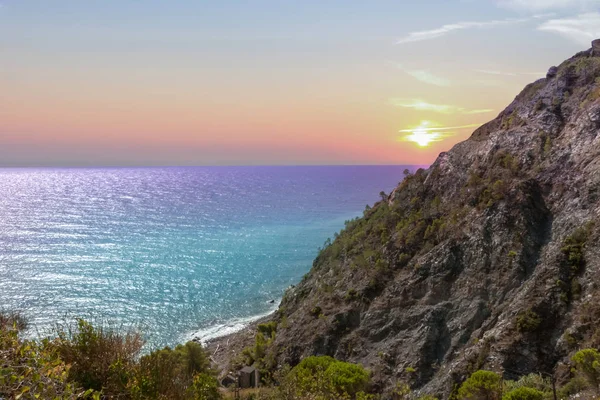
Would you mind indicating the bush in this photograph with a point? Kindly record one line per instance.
(100, 359)
(168, 373)
(524, 393)
(268, 329)
(587, 364)
(316, 311)
(573, 248)
(85, 362)
(533, 381)
(347, 378)
(327, 378)
(31, 369)
(528, 321)
(205, 387)
(574, 386)
(482, 385)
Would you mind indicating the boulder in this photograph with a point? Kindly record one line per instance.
(552, 72)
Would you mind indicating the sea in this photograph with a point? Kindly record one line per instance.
(174, 252)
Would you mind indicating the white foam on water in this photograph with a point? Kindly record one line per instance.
(227, 328)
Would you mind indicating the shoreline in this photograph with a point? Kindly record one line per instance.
(235, 325)
(222, 349)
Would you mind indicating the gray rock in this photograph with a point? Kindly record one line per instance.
(552, 72)
(596, 48)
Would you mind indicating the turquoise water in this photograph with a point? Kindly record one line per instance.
(176, 252)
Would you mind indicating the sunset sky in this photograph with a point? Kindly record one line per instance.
(107, 82)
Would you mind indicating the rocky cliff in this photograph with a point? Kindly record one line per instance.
(488, 259)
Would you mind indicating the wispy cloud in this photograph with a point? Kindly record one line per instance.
(582, 28)
(460, 26)
(440, 128)
(541, 5)
(505, 73)
(421, 105)
(428, 77)
(478, 111)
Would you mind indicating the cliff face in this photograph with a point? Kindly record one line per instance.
(488, 259)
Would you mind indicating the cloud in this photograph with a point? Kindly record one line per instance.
(491, 72)
(439, 128)
(582, 28)
(421, 105)
(504, 73)
(427, 77)
(541, 5)
(449, 28)
(478, 111)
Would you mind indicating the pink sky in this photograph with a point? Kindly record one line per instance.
(121, 83)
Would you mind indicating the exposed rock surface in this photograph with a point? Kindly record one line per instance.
(596, 48)
(552, 72)
(488, 259)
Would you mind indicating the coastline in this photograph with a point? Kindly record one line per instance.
(228, 328)
(223, 349)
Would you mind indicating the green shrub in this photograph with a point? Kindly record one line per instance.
(204, 387)
(316, 311)
(528, 321)
(524, 393)
(85, 362)
(327, 378)
(168, 373)
(352, 295)
(482, 385)
(576, 385)
(587, 364)
(533, 381)
(573, 248)
(268, 329)
(33, 369)
(100, 358)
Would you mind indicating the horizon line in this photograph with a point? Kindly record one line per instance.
(206, 166)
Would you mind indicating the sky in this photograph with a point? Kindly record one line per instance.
(268, 82)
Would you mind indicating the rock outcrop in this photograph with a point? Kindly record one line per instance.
(596, 48)
(488, 259)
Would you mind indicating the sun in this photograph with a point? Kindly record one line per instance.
(422, 135)
(422, 138)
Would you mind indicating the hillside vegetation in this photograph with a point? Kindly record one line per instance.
(92, 363)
